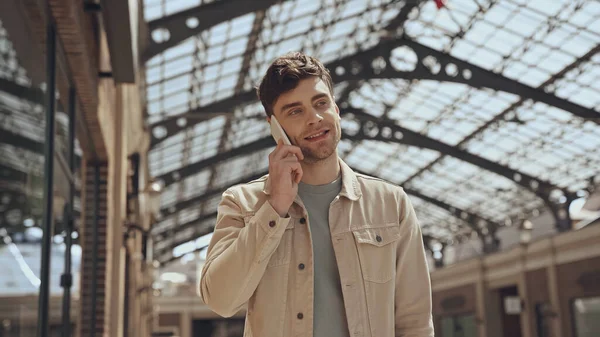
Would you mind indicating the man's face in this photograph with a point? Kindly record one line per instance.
(310, 118)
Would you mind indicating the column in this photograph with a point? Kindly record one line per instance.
(93, 262)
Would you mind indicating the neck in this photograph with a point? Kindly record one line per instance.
(322, 172)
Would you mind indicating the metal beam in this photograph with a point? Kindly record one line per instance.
(187, 23)
(360, 67)
(23, 142)
(383, 129)
(475, 221)
(200, 232)
(257, 28)
(485, 228)
(173, 125)
(122, 47)
(186, 171)
(34, 95)
(8, 173)
(374, 128)
(194, 201)
(13, 199)
(435, 65)
(49, 148)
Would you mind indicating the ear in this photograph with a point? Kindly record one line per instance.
(268, 119)
(337, 109)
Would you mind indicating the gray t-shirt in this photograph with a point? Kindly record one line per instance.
(330, 314)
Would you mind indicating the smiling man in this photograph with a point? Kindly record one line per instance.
(313, 248)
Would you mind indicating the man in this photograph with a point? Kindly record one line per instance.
(314, 249)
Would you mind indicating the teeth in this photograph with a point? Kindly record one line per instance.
(317, 135)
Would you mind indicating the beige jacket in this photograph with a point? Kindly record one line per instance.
(254, 256)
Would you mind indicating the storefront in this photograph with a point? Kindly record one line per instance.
(75, 196)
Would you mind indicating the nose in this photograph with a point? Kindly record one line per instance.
(314, 116)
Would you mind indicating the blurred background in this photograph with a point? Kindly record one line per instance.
(122, 122)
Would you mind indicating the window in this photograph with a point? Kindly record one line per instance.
(543, 316)
(459, 326)
(586, 316)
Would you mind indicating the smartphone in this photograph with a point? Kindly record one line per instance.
(277, 131)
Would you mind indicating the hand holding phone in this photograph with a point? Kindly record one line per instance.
(285, 170)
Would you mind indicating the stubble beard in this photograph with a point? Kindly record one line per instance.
(323, 152)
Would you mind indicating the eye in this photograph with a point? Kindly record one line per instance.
(322, 103)
(294, 111)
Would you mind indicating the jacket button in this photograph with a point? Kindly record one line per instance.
(272, 224)
(301, 266)
(303, 221)
(378, 238)
(300, 316)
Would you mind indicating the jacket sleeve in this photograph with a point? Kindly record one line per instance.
(238, 253)
(413, 316)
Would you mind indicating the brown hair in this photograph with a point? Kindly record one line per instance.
(284, 74)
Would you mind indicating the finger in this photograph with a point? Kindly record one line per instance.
(285, 165)
(279, 146)
(286, 150)
(283, 162)
(282, 165)
(288, 166)
(289, 159)
(299, 174)
(295, 167)
(277, 149)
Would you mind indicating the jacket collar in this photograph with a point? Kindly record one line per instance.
(350, 186)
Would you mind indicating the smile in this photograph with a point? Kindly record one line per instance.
(318, 136)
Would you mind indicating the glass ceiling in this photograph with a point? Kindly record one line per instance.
(550, 45)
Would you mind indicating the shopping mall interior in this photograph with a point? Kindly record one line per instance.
(123, 122)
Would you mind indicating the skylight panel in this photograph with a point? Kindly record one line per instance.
(163, 225)
(236, 168)
(195, 186)
(188, 215)
(177, 66)
(156, 10)
(297, 26)
(185, 48)
(406, 162)
(547, 8)
(305, 8)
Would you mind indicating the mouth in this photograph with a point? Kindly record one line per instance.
(320, 135)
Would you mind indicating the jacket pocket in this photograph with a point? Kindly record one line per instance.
(283, 253)
(377, 252)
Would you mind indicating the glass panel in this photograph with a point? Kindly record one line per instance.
(61, 205)
(459, 326)
(22, 126)
(586, 313)
(61, 200)
(543, 315)
(233, 327)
